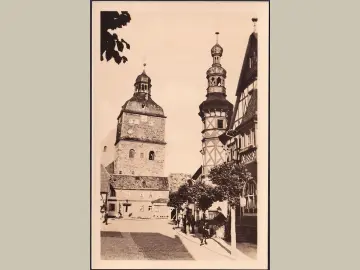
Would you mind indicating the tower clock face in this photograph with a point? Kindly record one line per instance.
(130, 131)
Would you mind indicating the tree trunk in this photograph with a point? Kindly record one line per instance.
(233, 231)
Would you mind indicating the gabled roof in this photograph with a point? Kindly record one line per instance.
(248, 74)
(197, 173)
(110, 168)
(119, 181)
(105, 177)
(160, 200)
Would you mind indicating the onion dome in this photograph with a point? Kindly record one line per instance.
(143, 78)
(216, 50)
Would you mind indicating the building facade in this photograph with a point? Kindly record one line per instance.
(241, 141)
(138, 187)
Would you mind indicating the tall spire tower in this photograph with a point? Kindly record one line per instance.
(215, 112)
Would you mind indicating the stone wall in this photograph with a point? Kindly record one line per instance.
(143, 127)
(140, 165)
(176, 180)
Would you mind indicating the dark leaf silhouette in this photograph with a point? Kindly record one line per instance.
(120, 46)
(110, 43)
(127, 44)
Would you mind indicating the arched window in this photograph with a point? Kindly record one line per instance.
(151, 155)
(218, 81)
(131, 153)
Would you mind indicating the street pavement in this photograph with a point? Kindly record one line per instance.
(124, 239)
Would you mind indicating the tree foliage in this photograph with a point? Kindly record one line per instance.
(111, 46)
(203, 194)
(230, 179)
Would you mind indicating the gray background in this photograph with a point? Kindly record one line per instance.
(45, 174)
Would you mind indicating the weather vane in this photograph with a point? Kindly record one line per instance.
(254, 21)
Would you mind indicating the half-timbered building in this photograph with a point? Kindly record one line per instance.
(241, 142)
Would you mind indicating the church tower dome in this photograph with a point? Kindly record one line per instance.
(215, 112)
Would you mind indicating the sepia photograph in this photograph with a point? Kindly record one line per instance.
(180, 135)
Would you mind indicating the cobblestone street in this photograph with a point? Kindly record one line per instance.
(154, 240)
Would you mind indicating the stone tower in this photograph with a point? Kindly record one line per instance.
(140, 138)
(215, 112)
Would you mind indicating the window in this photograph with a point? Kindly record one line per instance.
(142, 208)
(111, 207)
(151, 155)
(251, 198)
(218, 81)
(150, 208)
(143, 105)
(131, 153)
(112, 193)
(150, 196)
(141, 195)
(141, 155)
(220, 123)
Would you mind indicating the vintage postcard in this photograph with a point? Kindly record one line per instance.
(179, 145)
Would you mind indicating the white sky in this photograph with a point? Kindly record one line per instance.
(174, 39)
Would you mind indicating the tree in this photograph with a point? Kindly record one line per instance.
(230, 179)
(110, 43)
(203, 194)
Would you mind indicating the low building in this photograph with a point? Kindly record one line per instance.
(138, 196)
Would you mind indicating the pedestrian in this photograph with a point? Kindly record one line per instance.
(205, 233)
(106, 216)
(192, 223)
(178, 221)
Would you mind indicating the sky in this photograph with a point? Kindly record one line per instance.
(174, 39)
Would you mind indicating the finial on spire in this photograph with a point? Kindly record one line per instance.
(254, 21)
(217, 37)
(144, 66)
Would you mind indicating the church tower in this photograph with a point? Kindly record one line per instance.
(215, 112)
(140, 138)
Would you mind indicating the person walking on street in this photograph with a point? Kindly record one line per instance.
(205, 233)
(192, 223)
(106, 216)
